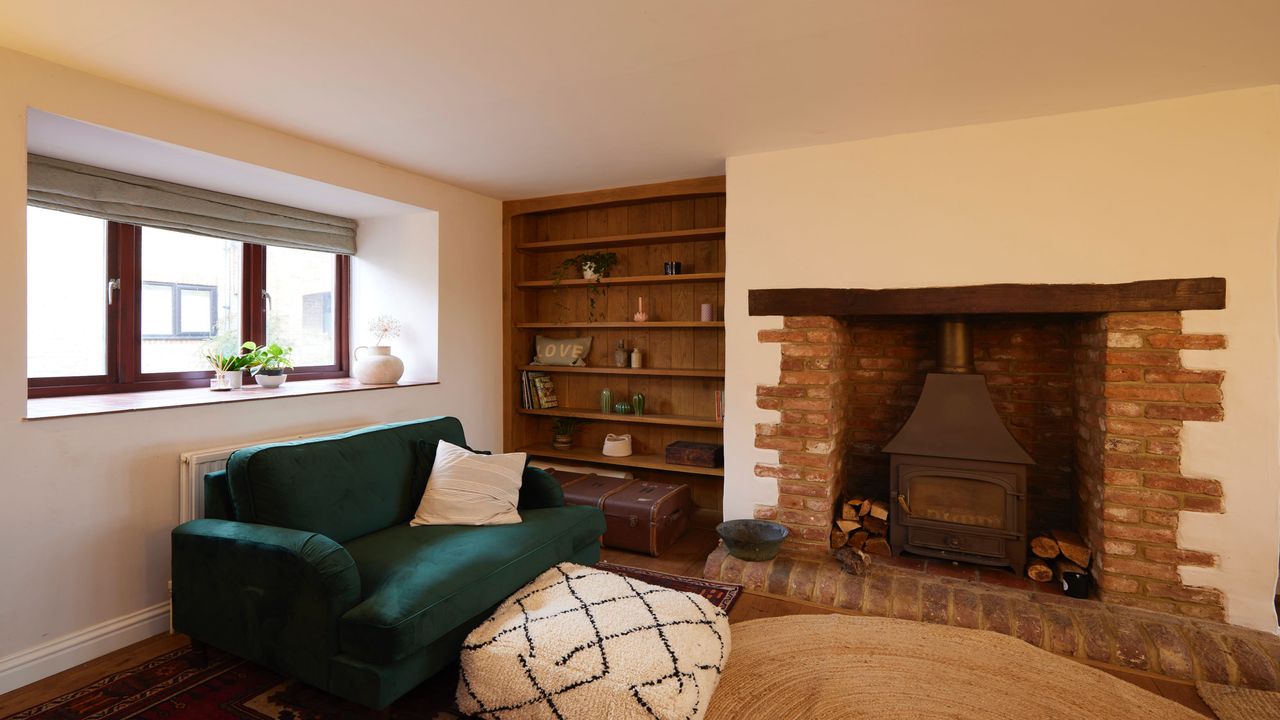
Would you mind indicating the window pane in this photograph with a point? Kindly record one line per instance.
(66, 294)
(300, 283)
(190, 299)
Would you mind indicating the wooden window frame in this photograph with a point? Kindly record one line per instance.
(124, 325)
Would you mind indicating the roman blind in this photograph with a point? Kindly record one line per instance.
(87, 190)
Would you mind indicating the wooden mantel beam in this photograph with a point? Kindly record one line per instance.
(1208, 293)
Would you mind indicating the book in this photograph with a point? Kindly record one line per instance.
(545, 392)
(719, 395)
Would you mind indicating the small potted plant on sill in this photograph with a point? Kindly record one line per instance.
(562, 429)
(594, 266)
(270, 363)
(228, 368)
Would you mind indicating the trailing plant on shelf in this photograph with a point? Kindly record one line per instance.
(594, 266)
(562, 429)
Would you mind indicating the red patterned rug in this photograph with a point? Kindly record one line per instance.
(176, 686)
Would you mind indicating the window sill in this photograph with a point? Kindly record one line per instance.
(74, 405)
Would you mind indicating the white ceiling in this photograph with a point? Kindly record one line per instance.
(515, 98)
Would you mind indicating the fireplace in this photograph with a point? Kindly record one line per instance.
(1064, 412)
(957, 478)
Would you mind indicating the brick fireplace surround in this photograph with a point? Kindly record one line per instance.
(1098, 402)
(1097, 396)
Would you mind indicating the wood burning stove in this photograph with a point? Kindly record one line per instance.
(958, 479)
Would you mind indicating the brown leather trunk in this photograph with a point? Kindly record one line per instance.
(643, 516)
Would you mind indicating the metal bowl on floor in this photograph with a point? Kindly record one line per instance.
(752, 540)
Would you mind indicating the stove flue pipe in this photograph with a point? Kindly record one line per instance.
(955, 346)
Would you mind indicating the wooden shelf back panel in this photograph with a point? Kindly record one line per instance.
(637, 372)
(649, 462)
(596, 415)
(625, 240)
(631, 280)
(658, 325)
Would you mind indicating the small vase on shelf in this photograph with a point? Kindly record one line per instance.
(637, 358)
(606, 400)
(621, 356)
(622, 407)
(637, 403)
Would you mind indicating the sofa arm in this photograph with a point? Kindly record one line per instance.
(539, 490)
(265, 593)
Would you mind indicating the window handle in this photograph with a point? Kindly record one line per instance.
(266, 299)
(113, 285)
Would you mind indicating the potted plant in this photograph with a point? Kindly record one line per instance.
(594, 266)
(379, 366)
(562, 429)
(270, 363)
(228, 368)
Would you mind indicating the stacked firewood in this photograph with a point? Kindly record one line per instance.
(862, 524)
(1056, 554)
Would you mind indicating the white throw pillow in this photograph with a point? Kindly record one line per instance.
(467, 488)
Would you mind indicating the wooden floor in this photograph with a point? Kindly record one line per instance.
(685, 558)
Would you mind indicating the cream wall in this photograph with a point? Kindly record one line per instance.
(86, 504)
(1180, 188)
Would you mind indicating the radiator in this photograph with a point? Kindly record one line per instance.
(194, 465)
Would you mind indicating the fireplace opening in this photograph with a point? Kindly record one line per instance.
(957, 477)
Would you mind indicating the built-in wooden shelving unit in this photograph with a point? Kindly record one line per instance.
(683, 357)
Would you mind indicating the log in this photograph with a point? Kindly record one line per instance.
(864, 507)
(1066, 566)
(880, 510)
(1045, 547)
(853, 561)
(1073, 547)
(1039, 571)
(848, 526)
(839, 539)
(875, 525)
(848, 511)
(877, 546)
(858, 539)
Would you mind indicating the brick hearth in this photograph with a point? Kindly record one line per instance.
(1180, 647)
(1098, 401)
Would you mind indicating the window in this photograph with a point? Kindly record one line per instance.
(114, 307)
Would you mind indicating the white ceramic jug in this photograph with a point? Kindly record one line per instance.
(379, 366)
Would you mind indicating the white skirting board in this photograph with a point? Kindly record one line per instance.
(36, 663)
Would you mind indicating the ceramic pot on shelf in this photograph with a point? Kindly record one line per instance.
(378, 366)
(270, 378)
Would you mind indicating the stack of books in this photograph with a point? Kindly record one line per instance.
(537, 391)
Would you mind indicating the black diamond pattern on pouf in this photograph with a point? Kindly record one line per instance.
(579, 642)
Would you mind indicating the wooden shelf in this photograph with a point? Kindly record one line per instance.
(625, 280)
(716, 325)
(647, 419)
(643, 372)
(630, 240)
(591, 455)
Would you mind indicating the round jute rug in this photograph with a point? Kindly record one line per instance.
(837, 666)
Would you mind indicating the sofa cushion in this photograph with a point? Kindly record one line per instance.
(419, 582)
(342, 486)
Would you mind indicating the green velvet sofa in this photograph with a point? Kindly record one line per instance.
(305, 561)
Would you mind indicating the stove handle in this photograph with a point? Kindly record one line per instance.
(902, 500)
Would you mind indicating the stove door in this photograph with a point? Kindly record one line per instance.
(953, 499)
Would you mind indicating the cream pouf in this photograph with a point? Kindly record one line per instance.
(578, 642)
